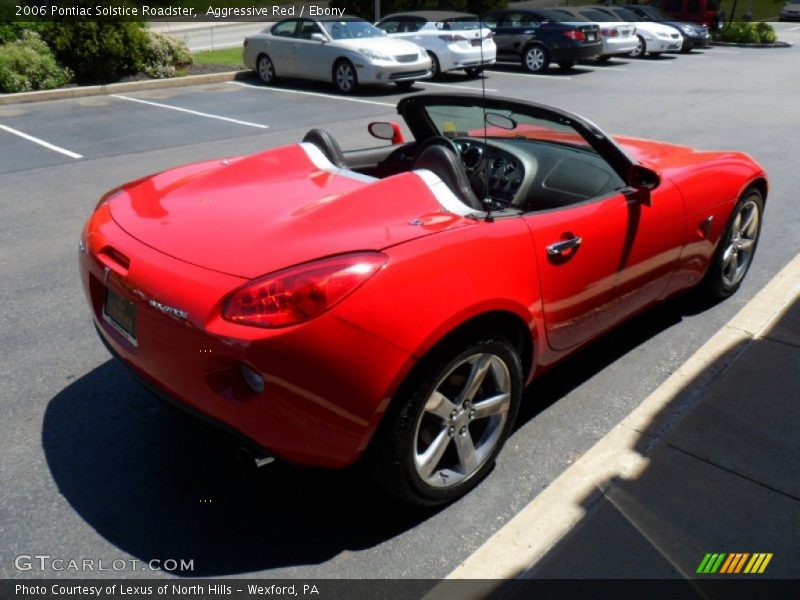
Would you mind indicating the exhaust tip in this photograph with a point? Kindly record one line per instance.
(252, 461)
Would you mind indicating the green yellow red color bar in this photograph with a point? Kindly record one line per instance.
(734, 563)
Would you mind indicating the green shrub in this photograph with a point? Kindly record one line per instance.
(97, 52)
(741, 32)
(10, 32)
(164, 56)
(27, 64)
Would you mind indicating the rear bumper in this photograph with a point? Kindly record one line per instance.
(575, 53)
(326, 382)
(617, 46)
(461, 58)
(656, 44)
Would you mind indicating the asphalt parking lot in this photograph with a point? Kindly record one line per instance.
(94, 467)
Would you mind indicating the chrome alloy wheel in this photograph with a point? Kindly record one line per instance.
(740, 245)
(345, 76)
(462, 420)
(266, 70)
(534, 59)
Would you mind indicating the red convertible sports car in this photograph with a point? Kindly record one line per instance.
(392, 303)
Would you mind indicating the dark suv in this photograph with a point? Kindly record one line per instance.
(536, 37)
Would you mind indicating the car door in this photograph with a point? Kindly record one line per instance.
(603, 259)
(513, 31)
(312, 58)
(280, 46)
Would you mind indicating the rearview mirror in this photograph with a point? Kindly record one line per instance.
(384, 130)
(643, 178)
(318, 37)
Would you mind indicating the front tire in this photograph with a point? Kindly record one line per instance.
(345, 79)
(436, 69)
(265, 69)
(405, 85)
(450, 421)
(535, 59)
(641, 48)
(736, 249)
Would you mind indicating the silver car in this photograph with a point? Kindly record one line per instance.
(346, 51)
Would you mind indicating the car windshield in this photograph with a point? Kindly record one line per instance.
(347, 30)
(653, 13)
(469, 121)
(556, 15)
(596, 15)
(624, 14)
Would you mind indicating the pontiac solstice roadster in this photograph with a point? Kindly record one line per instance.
(390, 304)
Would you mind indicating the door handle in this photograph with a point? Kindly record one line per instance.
(560, 247)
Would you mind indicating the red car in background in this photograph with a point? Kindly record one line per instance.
(392, 303)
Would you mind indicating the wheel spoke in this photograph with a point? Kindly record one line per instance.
(440, 405)
(428, 460)
(748, 221)
(492, 406)
(746, 244)
(478, 373)
(467, 457)
(727, 257)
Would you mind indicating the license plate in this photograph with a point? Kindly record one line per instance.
(590, 37)
(121, 315)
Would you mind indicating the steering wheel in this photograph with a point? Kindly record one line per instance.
(441, 141)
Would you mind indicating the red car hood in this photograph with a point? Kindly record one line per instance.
(250, 216)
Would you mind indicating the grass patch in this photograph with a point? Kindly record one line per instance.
(225, 56)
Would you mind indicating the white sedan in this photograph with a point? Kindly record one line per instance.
(654, 38)
(345, 51)
(454, 40)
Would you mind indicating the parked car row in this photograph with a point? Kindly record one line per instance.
(405, 47)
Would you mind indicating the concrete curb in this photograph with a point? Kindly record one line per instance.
(741, 45)
(116, 88)
(553, 514)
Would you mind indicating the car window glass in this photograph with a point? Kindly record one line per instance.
(461, 23)
(624, 14)
(307, 28)
(415, 24)
(674, 6)
(348, 30)
(285, 28)
(597, 15)
(521, 20)
(491, 20)
(392, 26)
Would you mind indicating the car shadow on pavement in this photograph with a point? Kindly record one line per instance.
(158, 485)
(321, 87)
(715, 473)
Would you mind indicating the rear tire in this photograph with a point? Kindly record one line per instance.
(265, 69)
(736, 249)
(535, 58)
(345, 79)
(450, 419)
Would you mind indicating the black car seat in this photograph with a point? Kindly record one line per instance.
(446, 165)
(330, 148)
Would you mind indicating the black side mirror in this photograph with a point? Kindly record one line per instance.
(642, 178)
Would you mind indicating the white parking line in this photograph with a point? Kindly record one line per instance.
(191, 112)
(793, 28)
(549, 77)
(36, 140)
(609, 69)
(461, 87)
(723, 51)
(304, 93)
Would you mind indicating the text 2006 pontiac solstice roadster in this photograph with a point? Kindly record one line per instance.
(392, 303)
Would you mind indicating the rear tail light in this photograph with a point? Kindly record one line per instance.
(452, 37)
(576, 35)
(301, 293)
(610, 32)
(489, 35)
